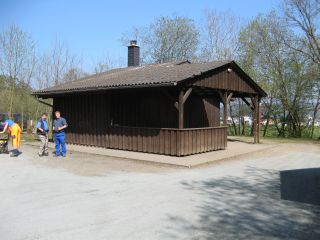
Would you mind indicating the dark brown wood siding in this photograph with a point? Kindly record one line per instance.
(201, 112)
(144, 121)
(231, 81)
(87, 117)
(143, 108)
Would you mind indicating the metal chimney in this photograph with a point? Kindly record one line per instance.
(133, 54)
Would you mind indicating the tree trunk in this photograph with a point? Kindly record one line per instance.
(266, 126)
(243, 127)
(233, 123)
(315, 112)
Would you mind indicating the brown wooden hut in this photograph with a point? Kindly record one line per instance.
(170, 108)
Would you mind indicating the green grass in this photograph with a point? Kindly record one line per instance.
(274, 140)
(272, 133)
(25, 137)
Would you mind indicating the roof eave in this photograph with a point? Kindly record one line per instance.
(99, 89)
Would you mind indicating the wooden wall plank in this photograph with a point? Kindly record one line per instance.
(226, 81)
(93, 127)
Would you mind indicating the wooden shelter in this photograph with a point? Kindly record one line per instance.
(169, 108)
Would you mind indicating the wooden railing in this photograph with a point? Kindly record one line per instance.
(168, 141)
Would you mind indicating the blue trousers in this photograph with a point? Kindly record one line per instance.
(59, 140)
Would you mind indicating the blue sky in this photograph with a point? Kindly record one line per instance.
(92, 29)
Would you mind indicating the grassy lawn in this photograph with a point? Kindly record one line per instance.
(272, 134)
(274, 140)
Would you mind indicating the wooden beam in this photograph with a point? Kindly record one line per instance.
(225, 108)
(258, 121)
(186, 95)
(221, 97)
(246, 102)
(45, 103)
(254, 101)
(224, 100)
(181, 107)
(229, 97)
(176, 104)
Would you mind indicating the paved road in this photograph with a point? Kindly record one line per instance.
(89, 197)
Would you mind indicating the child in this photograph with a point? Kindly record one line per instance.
(15, 133)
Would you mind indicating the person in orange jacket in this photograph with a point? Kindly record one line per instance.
(15, 133)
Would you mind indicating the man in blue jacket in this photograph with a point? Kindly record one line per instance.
(42, 131)
(59, 126)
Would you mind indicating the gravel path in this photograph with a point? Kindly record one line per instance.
(91, 197)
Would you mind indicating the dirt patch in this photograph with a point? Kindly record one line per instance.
(92, 165)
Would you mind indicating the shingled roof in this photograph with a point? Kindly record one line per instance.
(143, 76)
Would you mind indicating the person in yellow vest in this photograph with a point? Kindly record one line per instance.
(15, 134)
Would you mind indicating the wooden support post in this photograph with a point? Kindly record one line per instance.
(186, 95)
(254, 101)
(225, 108)
(176, 104)
(246, 102)
(225, 99)
(181, 95)
(45, 103)
(258, 120)
(229, 97)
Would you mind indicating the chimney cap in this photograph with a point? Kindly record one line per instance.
(133, 43)
(133, 54)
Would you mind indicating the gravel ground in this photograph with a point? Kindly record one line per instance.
(93, 197)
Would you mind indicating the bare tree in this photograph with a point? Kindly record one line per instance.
(43, 77)
(62, 61)
(167, 39)
(102, 67)
(17, 60)
(72, 74)
(107, 63)
(304, 16)
(141, 35)
(172, 39)
(57, 66)
(220, 35)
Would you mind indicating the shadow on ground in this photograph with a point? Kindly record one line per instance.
(230, 139)
(246, 207)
